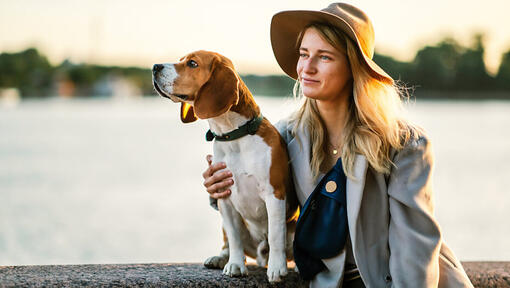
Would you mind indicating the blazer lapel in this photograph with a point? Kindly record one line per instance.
(354, 195)
(299, 153)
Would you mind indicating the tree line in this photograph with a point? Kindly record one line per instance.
(445, 66)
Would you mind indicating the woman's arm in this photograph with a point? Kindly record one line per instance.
(414, 234)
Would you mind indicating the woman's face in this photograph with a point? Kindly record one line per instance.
(323, 71)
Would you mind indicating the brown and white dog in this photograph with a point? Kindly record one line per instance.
(259, 216)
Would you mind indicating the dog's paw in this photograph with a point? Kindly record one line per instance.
(261, 261)
(215, 262)
(235, 269)
(275, 272)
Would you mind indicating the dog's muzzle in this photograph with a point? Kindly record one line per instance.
(169, 96)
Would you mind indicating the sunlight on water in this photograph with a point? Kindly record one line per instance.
(103, 181)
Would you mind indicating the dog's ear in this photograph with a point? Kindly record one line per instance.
(187, 113)
(219, 93)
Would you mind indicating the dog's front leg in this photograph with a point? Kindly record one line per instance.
(232, 223)
(277, 264)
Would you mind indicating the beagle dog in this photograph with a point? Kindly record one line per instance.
(259, 216)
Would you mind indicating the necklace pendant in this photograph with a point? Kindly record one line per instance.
(335, 151)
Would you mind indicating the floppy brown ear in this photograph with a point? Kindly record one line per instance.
(219, 93)
(187, 113)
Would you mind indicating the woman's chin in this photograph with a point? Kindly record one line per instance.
(311, 94)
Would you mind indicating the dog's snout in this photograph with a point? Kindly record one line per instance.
(157, 68)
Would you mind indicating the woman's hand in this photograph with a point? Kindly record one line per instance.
(217, 183)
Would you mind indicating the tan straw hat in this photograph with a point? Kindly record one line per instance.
(286, 26)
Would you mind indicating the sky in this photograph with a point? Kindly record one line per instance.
(141, 33)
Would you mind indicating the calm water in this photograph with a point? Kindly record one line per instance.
(103, 181)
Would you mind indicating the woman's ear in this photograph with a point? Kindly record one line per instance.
(219, 93)
(187, 113)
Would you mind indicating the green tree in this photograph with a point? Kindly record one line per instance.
(28, 71)
(470, 69)
(434, 67)
(503, 76)
(271, 85)
(400, 71)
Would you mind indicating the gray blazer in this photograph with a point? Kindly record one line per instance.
(396, 241)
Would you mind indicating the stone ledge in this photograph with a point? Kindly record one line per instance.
(482, 274)
(135, 275)
(488, 274)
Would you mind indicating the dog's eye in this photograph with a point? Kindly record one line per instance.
(192, 64)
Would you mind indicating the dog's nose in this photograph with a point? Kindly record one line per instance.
(157, 68)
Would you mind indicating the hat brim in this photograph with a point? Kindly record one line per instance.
(285, 29)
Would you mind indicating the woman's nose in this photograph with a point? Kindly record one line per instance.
(309, 66)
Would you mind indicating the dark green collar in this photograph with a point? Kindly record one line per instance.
(249, 127)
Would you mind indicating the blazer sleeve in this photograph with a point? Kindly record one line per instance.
(283, 128)
(414, 234)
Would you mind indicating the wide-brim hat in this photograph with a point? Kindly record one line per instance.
(286, 26)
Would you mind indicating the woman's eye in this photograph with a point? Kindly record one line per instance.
(192, 64)
(323, 57)
(302, 55)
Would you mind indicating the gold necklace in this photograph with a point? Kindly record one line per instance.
(335, 148)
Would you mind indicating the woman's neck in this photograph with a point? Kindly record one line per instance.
(334, 115)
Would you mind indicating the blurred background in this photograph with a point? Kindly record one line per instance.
(96, 168)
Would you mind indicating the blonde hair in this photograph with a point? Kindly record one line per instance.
(374, 123)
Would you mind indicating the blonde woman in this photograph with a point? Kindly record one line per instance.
(362, 173)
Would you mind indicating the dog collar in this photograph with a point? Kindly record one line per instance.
(249, 127)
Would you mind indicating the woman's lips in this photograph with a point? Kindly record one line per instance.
(309, 81)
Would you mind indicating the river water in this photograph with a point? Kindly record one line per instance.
(108, 181)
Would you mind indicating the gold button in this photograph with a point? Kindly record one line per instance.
(331, 186)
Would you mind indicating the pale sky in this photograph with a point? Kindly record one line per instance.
(141, 33)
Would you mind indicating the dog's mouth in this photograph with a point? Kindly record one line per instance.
(160, 92)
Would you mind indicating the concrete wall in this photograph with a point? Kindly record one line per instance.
(482, 274)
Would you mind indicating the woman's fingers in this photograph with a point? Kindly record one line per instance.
(217, 177)
(216, 182)
(219, 195)
(219, 186)
(213, 168)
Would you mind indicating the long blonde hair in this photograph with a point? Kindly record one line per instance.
(374, 123)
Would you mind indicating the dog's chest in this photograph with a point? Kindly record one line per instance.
(249, 159)
(249, 154)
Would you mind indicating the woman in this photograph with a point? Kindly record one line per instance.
(351, 118)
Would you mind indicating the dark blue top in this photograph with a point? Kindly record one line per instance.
(321, 230)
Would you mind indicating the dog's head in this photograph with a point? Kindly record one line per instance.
(204, 82)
